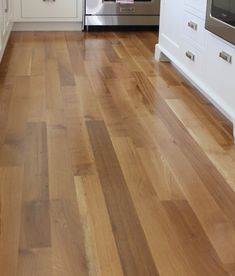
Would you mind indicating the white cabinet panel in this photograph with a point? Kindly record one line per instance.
(6, 16)
(193, 28)
(199, 5)
(192, 59)
(220, 73)
(205, 59)
(170, 26)
(49, 8)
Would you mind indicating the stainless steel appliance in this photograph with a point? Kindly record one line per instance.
(220, 18)
(112, 12)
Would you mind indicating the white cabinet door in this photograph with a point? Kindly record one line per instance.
(194, 28)
(170, 25)
(49, 8)
(192, 59)
(220, 70)
(7, 16)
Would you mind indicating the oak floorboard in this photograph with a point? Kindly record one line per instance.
(194, 153)
(68, 247)
(135, 254)
(35, 262)
(110, 162)
(161, 239)
(10, 205)
(193, 239)
(102, 253)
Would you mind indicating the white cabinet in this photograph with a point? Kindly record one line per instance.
(192, 59)
(197, 5)
(6, 17)
(220, 69)
(205, 59)
(193, 28)
(52, 9)
(48, 11)
(170, 25)
(192, 45)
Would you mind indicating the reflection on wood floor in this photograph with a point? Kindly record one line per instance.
(110, 163)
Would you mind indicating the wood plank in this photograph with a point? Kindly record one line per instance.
(110, 163)
(208, 173)
(74, 48)
(65, 68)
(202, 255)
(68, 247)
(129, 235)
(61, 182)
(159, 172)
(54, 100)
(6, 90)
(201, 132)
(38, 58)
(18, 111)
(37, 99)
(35, 225)
(36, 182)
(164, 244)
(80, 150)
(78, 143)
(135, 129)
(12, 147)
(35, 262)
(112, 116)
(10, 203)
(20, 62)
(35, 218)
(90, 105)
(103, 258)
(210, 214)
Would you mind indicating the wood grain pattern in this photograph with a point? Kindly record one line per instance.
(101, 248)
(110, 163)
(131, 241)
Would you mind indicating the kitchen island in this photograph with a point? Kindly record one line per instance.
(197, 53)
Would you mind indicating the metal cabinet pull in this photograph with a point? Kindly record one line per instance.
(7, 6)
(48, 0)
(192, 25)
(190, 55)
(225, 57)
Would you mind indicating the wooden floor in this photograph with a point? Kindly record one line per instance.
(110, 164)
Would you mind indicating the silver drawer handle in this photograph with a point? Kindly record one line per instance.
(225, 57)
(48, 0)
(192, 25)
(190, 55)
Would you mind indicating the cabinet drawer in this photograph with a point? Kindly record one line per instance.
(220, 69)
(192, 59)
(49, 8)
(193, 28)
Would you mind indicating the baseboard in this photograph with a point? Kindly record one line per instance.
(47, 26)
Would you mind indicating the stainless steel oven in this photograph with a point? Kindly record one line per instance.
(220, 18)
(122, 12)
